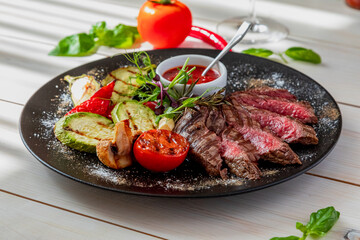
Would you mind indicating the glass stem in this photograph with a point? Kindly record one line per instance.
(252, 11)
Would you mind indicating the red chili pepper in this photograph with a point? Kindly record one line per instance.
(208, 36)
(99, 103)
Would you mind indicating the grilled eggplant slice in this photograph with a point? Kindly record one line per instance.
(81, 87)
(83, 130)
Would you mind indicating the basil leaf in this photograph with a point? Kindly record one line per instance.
(286, 238)
(122, 36)
(320, 222)
(80, 44)
(301, 227)
(259, 52)
(303, 54)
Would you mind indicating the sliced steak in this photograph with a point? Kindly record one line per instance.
(239, 154)
(300, 110)
(204, 144)
(287, 128)
(215, 121)
(272, 92)
(269, 146)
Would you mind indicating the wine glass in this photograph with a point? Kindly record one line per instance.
(264, 30)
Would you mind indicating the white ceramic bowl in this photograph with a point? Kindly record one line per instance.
(194, 59)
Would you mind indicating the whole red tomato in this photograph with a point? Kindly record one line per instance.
(164, 23)
(354, 3)
(160, 150)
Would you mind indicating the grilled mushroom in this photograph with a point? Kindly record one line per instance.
(116, 152)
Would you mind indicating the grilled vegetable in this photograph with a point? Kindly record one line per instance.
(125, 74)
(125, 83)
(166, 123)
(83, 130)
(99, 103)
(81, 87)
(141, 118)
(116, 153)
(160, 150)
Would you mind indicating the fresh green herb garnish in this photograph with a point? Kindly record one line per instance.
(303, 54)
(319, 224)
(84, 44)
(259, 52)
(171, 101)
(81, 44)
(296, 53)
(286, 238)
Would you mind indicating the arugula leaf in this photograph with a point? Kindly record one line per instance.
(80, 44)
(259, 52)
(286, 238)
(320, 222)
(303, 54)
(83, 44)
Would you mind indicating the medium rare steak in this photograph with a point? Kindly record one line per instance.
(288, 129)
(300, 110)
(239, 154)
(269, 146)
(272, 92)
(204, 144)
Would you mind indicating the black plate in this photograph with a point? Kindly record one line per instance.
(52, 100)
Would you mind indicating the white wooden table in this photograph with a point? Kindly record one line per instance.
(37, 203)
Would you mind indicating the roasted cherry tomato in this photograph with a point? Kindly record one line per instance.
(160, 150)
(164, 23)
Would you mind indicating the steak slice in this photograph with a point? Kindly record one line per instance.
(204, 144)
(215, 121)
(272, 92)
(239, 154)
(270, 147)
(300, 110)
(288, 129)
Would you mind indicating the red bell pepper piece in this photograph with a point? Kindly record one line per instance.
(98, 103)
(152, 105)
(208, 36)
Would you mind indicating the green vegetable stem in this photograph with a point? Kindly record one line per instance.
(319, 224)
(296, 53)
(84, 44)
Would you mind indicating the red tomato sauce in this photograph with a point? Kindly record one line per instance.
(211, 75)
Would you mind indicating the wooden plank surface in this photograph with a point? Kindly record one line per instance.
(34, 220)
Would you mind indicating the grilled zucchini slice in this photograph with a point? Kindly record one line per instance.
(125, 85)
(83, 130)
(141, 117)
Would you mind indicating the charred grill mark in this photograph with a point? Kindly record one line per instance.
(104, 125)
(80, 133)
(118, 79)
